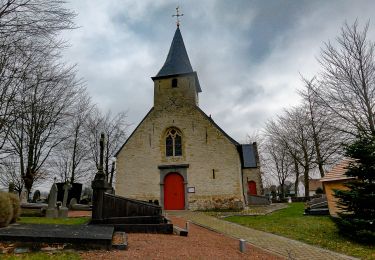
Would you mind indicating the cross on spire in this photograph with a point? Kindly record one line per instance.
(177, 16)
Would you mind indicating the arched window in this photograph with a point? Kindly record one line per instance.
(173, 143)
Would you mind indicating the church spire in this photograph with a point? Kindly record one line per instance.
(177, 61)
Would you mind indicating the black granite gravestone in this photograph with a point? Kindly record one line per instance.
(74, 192)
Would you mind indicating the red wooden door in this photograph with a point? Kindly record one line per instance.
(252, 188)
(174, 193)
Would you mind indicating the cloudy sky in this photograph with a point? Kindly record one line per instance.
(248, 54)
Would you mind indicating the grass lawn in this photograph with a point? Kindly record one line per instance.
(315, 230)
(63, 221)
(43, 256)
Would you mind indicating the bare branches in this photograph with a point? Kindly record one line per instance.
(36, 90)
(327, 141)
(347, 84)
(291, 132)
(115, 129)
(20, 19)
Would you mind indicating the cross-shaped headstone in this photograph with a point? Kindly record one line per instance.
(66, 188)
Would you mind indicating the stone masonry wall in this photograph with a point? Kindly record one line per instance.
(205, 149)
(252, 174)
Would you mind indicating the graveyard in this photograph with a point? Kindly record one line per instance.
(112, 147)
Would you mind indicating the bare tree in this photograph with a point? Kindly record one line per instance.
(114, 128)
(347, 88)
(32, 81)
(48, 93)
(10, 173)
(27, 27)
(293, 131)
(71, 159)
(327, 141)
(278, 161)
(20, 19)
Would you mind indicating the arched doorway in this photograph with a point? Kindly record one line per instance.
(252, 188)
(174, 192)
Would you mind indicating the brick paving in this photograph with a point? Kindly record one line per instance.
(289, 248)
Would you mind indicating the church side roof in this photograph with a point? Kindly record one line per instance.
(177, 61)
(119, 150)
(248, 155)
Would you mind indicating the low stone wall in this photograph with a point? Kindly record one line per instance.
(216, 203)
(257, 200)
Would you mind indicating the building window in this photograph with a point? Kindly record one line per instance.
(174, 83)
(173, 143)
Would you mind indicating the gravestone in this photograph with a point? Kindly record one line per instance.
(74, 192)
(73, 205)
(67, 187)
(36, 196)
(63, 210)
(23, 196)
(51, 211)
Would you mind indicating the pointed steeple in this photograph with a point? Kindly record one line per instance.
(177, 61)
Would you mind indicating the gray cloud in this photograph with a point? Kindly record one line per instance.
(248, 54)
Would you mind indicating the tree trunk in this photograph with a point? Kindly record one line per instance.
(306, 180)
(296, 169)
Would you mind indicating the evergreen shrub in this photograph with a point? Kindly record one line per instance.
(357, 218)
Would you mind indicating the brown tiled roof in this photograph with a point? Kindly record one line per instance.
(338, 171)
(314, 184)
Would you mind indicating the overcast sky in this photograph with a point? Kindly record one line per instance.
(248, 54)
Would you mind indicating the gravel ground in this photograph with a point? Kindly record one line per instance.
(201, 243)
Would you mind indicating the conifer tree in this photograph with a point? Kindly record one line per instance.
(357, 219)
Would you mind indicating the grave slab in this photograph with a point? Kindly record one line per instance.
(82, 236)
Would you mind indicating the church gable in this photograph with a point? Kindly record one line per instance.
(178, 149)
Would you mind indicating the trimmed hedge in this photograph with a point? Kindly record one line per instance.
(6, 209)
(15, 201)
(9, 208)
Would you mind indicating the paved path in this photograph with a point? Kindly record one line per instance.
(289, 248)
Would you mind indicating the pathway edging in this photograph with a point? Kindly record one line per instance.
(273, 243)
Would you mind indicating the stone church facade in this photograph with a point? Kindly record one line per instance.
(178, 155)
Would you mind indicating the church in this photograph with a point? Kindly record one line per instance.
(178, 155)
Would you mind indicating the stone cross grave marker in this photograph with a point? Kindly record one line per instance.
(66, 188)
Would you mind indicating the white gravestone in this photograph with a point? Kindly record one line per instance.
(51, 211)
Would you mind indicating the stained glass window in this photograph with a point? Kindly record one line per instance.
(173, 143)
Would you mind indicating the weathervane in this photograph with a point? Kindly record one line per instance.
(177, 16)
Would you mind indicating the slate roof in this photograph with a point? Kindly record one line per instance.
(338, 171)
(177, 61)
(248, 153)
